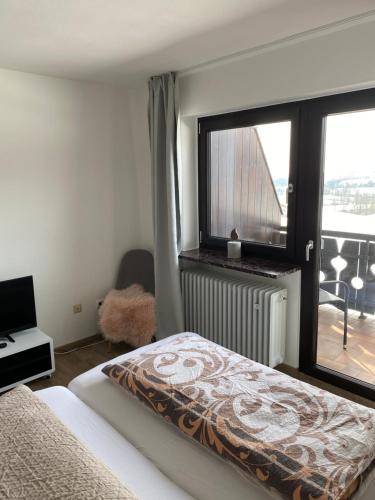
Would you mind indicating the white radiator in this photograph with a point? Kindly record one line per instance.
(244, 316)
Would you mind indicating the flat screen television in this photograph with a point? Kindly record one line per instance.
(17, 306)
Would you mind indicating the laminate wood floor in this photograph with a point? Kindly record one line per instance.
(358, 360)
(71, 365)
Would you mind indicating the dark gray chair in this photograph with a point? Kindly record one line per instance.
(326, 297)
(137, 266)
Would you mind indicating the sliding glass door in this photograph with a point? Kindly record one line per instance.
(336, 240)
(297, 181)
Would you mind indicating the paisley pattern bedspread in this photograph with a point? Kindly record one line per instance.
(298, 441)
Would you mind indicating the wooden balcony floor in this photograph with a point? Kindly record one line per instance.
(359, 359)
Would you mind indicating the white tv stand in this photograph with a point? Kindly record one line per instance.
(29, 357)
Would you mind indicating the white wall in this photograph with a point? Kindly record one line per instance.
(138, 101)
(68, 194)
(132, 175)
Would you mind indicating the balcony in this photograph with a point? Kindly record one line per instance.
(349, 258)
(358, 360)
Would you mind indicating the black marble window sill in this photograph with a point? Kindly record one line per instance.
(251, 265)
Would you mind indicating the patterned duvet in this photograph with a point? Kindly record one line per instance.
(298, 441)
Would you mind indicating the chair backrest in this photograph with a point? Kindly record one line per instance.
(137, 266)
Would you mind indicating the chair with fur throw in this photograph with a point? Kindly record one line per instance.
(128, 311)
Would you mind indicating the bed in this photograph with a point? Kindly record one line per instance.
(195, 469)
(128, 464)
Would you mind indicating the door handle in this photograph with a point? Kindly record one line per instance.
(309, 247)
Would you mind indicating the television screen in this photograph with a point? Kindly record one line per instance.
(17, 305)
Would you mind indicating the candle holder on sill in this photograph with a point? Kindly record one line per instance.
(234, 246)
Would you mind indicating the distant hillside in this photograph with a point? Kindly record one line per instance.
(280, 182)
(350, 182)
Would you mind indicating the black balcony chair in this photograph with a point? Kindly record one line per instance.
(326, 297)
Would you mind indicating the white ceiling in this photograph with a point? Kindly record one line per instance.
(121, 40)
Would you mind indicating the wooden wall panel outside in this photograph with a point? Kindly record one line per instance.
(242, 190)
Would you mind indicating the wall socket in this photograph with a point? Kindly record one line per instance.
(99, 303)
(77, 308)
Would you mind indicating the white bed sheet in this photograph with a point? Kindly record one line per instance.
(198, 471)
(136, 471)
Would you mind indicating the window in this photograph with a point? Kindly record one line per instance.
(246, 163)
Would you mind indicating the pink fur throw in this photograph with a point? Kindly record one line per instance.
(128, 316)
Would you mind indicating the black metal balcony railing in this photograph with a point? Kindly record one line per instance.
(350, 257)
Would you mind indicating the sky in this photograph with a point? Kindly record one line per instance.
(275, 139)
(350, 145)
(349, 148)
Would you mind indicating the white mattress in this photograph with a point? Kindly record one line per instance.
(198, 471)
(142, 477)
